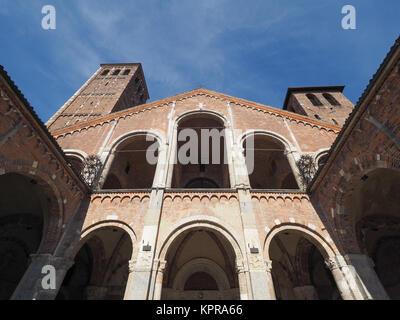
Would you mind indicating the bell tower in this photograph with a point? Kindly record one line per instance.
(113, 87)
(325, 104)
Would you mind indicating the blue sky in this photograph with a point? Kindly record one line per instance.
(249, 49)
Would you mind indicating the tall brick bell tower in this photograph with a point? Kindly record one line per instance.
(112, 88)
(326, 104)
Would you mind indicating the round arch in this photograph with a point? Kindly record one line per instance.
(132, 134)
(269, 170)
(54, 218)
(207, 112)
(325, 249)
(101, 260)
(78, 154)
(201, 265)
(222, 172)
(114, 160)
(206, 222)
(270, 134)
(347, 183)
(87, 232)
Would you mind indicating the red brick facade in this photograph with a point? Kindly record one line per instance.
(264, 243)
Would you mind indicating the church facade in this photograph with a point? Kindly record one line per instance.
(119, 198)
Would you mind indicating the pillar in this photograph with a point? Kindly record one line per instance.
(368, 279)
(31, 288)
(159, 279)
(242, 277)
(270, 282)
(345, 278)
(128, 289)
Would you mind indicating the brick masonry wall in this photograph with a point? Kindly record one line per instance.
(366, 148)
(27, 151)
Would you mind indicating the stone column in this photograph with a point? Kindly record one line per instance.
(345, 278)
(242, 277)
(368, 279)
(128, 288)
(159, 279)
(40, 269)
(270, 282)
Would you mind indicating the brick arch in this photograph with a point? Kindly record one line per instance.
(276, 136)
(87, 232)
(315, 238)
(320, 153)
(201, 265)
(53, 219)
(132, 134)
(193, 113)
(348, 181)
(79, 154)
(206, 222)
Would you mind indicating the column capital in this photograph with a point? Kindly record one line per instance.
(336, 262)
(159, 265)
(240, 266)
(162, 265)
(131, 265)
(268, 265)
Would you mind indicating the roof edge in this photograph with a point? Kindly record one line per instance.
(171, 99)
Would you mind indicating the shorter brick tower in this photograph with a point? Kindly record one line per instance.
(327, 104)
(112, 88)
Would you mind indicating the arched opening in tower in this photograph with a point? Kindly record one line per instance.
(134, 164)
(101, 267)
(267, 163)
(24, 209)
(201, 160)
(298, 270)
(200, 265)
(375, 212)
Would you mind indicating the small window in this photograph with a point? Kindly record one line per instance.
(331, 99)
(314, 100)
(317, 117)
(335, 122)
(105, 72)
(116, 72)
(127, 71)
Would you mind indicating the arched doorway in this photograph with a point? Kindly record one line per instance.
(299, 271)
(200, 265)
(100, 270)
(201, 153)
(375, 212)
(24, 207)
